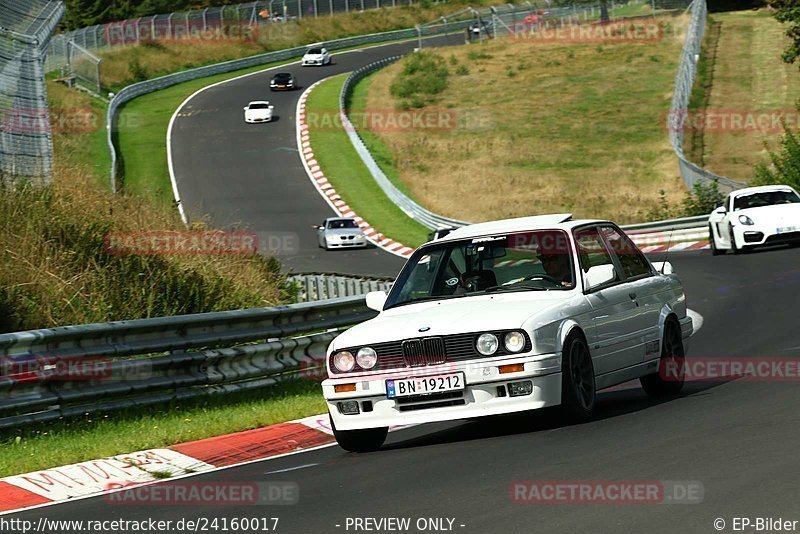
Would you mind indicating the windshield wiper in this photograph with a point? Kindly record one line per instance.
(504, 288)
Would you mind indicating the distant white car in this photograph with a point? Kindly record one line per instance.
(340, 232)
(507, 316)
(755, 216)
(258, 111)
(316, 55)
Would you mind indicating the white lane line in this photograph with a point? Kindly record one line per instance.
(697, 320)
(295, 468)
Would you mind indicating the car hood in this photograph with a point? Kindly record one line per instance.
(313, 56)
(344, 231)
(777, 214)
(454, 316)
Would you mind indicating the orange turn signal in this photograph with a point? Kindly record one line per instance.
(344, 388)
(513, 368)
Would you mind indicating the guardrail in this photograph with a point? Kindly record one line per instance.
(68, 371)
(319, 286)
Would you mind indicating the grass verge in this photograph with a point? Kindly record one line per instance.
(543, 127)
(98, 436)
(350, 177)
(748, 76)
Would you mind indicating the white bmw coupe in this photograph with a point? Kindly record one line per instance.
(755, 216)
(507, 316)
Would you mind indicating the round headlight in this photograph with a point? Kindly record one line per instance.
(344, 361)
(514, 341)
(367, 358)
(744, 219)
(487, 344)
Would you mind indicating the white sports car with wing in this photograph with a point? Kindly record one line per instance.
(258, 111)
(316, 56)
(507, 316)
(755, 216)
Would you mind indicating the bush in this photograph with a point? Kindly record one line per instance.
(702, 199)
(462, 70)
(138, 71)
(784, 167)
(424, 76)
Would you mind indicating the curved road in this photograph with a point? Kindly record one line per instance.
(251, 175)
(738, 438)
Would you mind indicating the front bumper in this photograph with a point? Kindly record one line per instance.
(311, 62)
(348, 243)
(257, 121)
(761, 235)
(287, 87)
(482, 394)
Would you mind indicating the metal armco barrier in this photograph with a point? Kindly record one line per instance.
(67, 371)
(328, 286)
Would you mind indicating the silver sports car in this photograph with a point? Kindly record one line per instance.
(338, 232)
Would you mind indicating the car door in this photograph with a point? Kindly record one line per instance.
(321, 233)
(644, 288)
(719, 222)
(614, 344)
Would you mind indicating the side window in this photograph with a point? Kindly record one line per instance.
(596, 263)
(630, 257)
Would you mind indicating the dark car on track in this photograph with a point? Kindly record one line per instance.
(282, 81)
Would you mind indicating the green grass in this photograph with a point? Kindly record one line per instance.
(97, 436)
(348, 175)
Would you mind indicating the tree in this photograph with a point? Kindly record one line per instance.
(785, 164)
(788, 12)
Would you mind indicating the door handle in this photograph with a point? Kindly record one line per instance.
(632, 296)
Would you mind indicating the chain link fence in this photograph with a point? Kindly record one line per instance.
(230, 20)
(679, 109)
(26, 149)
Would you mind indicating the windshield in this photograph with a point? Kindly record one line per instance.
(283, 76)
(766, 198)
(314, 51)
(530, 261)
(259, 106)
(342, 223)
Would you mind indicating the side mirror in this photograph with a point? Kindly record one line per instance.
(664, 267)
(271, 107)
(376, 300)
(599, 275)
(721, 210)
(246, 108)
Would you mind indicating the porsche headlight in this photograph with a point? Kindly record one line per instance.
(745, 220)
(344, 361)
(366, 357)
(514, 341)
(487, 344)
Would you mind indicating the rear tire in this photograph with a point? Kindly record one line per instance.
(578, 391)
(367, 440)
(669, 379)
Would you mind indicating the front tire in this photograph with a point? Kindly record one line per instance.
(671, 375)
(577, 379)
(736, 250)
(367, 440)
(713, 241)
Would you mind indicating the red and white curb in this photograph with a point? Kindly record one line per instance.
(666, 241)
(117, 473)
(327, 191)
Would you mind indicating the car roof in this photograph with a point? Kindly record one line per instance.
(558, 221)
(258, 102)
(761, 189)
(340, 219)
(283, 74)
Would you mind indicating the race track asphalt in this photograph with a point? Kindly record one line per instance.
(738, 438)
(251, 175)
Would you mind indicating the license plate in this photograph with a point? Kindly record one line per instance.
(424, 385)
(787, 229)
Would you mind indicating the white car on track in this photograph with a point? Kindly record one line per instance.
(507, 316)
(764, 215)
(258, 111)
(316, 55)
